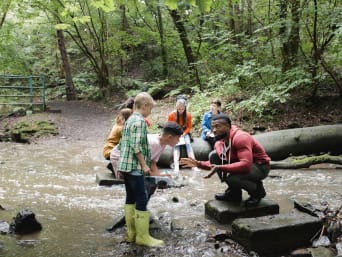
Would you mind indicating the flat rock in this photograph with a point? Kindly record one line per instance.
(225, 212)
(107, 179)
(273, 234)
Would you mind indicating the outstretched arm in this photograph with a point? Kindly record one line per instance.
(188, 162)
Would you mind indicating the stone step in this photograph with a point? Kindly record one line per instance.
(225, 212)
(107, 179)
(274, 234)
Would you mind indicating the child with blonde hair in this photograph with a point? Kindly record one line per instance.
(114, 136)
(134, 163)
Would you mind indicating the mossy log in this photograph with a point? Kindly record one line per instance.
(281, 144)
(305, 161)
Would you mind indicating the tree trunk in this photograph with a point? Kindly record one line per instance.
(177, 20)
(162, 42)
(315, 51)
(289, 37)
(284, 143)
(69, 85)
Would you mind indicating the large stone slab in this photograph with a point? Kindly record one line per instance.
(225, 212)
(107, 179)
(276, 234)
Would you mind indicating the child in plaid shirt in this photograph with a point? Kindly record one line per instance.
(134, 163)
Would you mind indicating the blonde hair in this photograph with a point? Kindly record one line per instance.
(141, 99)
(123, 116)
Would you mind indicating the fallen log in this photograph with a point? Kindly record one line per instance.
(305, 161)
(278, 144)
(302, 141)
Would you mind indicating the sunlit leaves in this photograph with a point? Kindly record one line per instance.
(105, 5)
(62, 26)
(203, 5)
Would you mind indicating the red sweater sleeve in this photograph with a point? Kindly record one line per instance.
(243, 147)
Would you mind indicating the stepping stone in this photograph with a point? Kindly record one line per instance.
(107, 179)
(273, 234)
(225, 212)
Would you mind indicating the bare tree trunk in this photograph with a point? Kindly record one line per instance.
(231, 16)
(3, 18)
(315, 51)
(69, 85)
(162, 42)
(186, 44)
(249, 29)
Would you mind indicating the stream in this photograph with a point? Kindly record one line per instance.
(56, 180)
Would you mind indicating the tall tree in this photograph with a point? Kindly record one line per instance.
(69, 84)
(178, 22)
(289, 34)
(4, 10)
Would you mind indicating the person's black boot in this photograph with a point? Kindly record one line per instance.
(260, 189)
(230, 195)
(254, 198)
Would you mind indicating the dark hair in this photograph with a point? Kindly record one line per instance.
(217, 102)
(222, 116)
(129, 103)
(172, 128)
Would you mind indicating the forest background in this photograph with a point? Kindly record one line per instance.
(263, 58)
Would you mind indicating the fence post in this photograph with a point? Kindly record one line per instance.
(31, 91)
(43, 92)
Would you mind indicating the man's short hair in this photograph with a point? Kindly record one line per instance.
(172, 128)
(222, 116)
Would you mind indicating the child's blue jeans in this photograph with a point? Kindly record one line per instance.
(136, 192)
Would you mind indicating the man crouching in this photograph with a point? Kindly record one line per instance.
(238, 159)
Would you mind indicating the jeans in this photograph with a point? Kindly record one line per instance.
(247, 181)
(136, 192)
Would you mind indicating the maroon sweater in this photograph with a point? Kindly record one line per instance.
(244, 151)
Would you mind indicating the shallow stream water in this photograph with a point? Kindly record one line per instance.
(56, 180)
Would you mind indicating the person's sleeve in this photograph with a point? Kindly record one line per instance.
(243, 145)
(205, 128)
(171, 117)
(205, 165)
(138, 131)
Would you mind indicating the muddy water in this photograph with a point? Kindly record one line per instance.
(56, 180)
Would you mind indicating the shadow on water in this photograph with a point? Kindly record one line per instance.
(57, 182)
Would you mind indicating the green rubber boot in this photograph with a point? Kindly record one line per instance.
(130, 223)
(142, 225)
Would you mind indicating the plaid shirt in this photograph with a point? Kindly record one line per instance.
(133, 141)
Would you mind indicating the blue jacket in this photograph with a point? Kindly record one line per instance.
(206, 124)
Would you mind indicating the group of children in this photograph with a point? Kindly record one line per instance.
(239, 160)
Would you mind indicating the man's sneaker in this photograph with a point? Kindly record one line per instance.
(252, 201)
(234, 196)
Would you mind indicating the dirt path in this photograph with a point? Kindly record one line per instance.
(75, 120)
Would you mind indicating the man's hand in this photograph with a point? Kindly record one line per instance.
(188, 162)
(213, 170)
